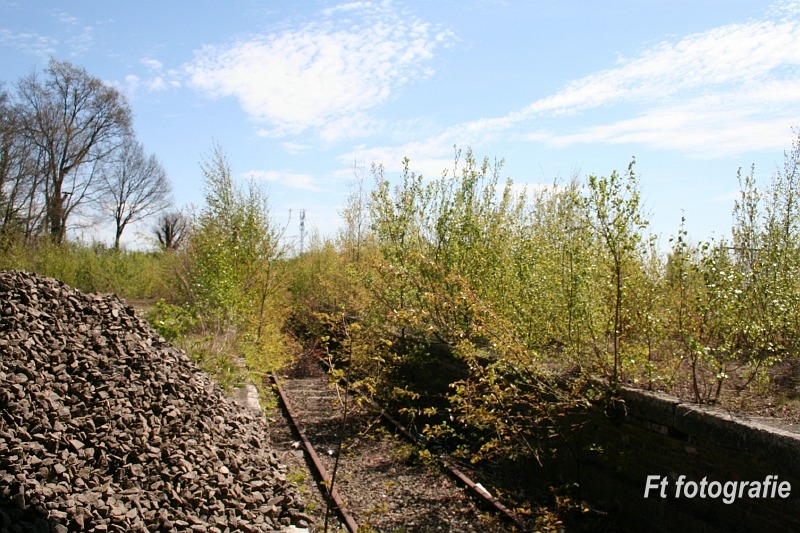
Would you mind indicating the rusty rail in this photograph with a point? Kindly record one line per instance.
(476, 488)
(333, 494)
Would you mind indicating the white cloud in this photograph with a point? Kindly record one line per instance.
(288, 179)
(157, 79)
(436, 154)
(78, 40)
(724, 91)
(157, 84)
(152, 64)
(710, 125)
(64, 17)
(81, 42)
(315, 75)
(295, 147)
(716, 60)
(132, 83)
(351, 6)
(353, 125)
(28, 42)
(427, 158)
(785, 8)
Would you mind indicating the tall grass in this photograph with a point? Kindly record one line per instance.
(92, 267)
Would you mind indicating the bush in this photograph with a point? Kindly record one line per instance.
(171, 321)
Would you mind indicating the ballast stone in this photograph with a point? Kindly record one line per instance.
(105, 427)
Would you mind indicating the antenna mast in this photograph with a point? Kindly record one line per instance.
(302, 229)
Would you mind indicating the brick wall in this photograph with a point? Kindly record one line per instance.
(616, 449)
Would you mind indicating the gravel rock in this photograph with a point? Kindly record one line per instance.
(105, 427)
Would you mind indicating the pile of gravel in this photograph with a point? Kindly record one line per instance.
(105, 427)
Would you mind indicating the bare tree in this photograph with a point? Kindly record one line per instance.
(20, 207)
(9, 184)
(134, 187)
(353, 236)
(171, 230)
(74, 120)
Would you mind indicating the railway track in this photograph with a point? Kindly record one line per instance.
(379, 481)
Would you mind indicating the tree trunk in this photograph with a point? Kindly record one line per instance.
(55, 215)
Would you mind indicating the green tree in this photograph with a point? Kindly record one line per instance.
(234, 247)
(231, 270)
(555, 296)
(616, 217)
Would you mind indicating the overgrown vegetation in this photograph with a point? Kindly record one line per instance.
(95, 267)
(230, 279)
(483, 312)
(486, 313)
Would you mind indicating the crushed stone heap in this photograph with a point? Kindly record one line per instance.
(105, 427)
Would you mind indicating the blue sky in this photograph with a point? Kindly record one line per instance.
(297, 92)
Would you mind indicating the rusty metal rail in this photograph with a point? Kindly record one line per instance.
(477, 489)
(325, 480)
